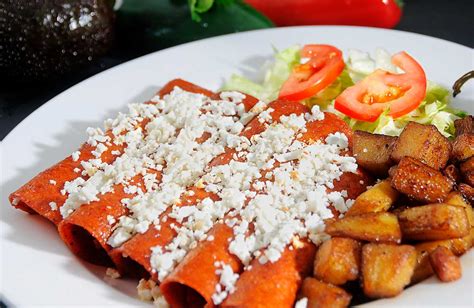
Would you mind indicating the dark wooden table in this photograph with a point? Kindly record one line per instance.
(450, 20)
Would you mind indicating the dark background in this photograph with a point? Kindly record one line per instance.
(447, 19)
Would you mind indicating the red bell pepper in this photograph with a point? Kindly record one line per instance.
(374, 13)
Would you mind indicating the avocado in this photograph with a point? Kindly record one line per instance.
(44, 39)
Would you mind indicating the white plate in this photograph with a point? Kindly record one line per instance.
(36, 268)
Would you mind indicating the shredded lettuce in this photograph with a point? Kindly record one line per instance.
(275, 76)
(435, 108)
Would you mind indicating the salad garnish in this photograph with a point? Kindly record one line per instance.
(402, 89)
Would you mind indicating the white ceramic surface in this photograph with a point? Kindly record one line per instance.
(37, 269)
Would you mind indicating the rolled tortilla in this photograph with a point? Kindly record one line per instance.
(87, 230)
(133, 256)
(42, 194)
(273, 284)
(196, 275)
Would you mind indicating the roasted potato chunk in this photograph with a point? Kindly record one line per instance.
(452, 173)
(463, 147)
(445, 264)
(386, 269)
(471, 237)
(372, 151)
(467, 171)
(337, 260)
(379, 198)
(372, 227)
(434, 222)
(467, 191)
(460, 246)
(424, 143)
(420, 182)
(320, 294)
(464, 126)
(455, 198)
(423, 267)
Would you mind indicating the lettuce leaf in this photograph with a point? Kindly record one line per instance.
(275, 76)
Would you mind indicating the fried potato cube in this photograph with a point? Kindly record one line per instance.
(420, 182)
(471, 237)
(463, 147)
(423, 267)
(371, 227)
(424, 143)
(455, 198)
(452, 173)
(467, 191)
(320, 294)
(464, 126)
(379, 198)
(445, 264)
(434, 222)
(460, 246)
(467, 171)
(372, 151)
(337, 260)
(386, 269)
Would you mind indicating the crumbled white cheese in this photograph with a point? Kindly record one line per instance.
(112, 273)
(53, 206)
(256, 109)
(265, 116)
(110, 219)
(302, 303)
(315, 115)
(15, 201)
(293, 201)
(52, 182)
(100, 148)
(226, 284)
(149, 291)
(167, 143)
(75, 155)
(338, 139)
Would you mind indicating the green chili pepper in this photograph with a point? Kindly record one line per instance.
(147, 25)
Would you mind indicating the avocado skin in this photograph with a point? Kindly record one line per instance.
(43, 40)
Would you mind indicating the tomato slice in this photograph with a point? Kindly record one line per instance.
(402, 93)
(324, 66)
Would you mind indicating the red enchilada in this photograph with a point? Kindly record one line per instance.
(87, 226)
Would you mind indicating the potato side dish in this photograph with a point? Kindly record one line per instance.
(415, 222)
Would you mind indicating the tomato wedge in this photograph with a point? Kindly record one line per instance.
(401, 93)
(324, 66)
